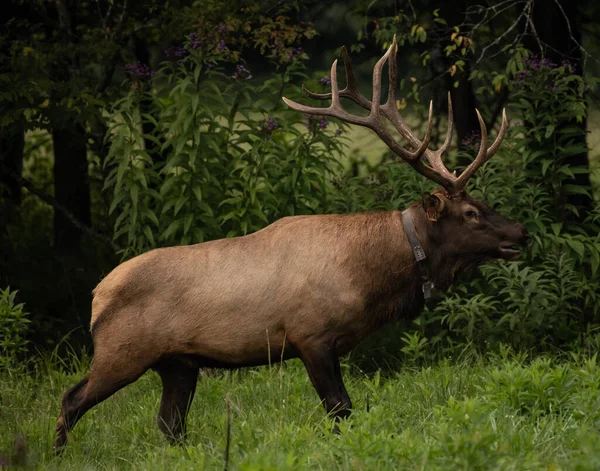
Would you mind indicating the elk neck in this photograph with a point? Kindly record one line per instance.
(440, 266)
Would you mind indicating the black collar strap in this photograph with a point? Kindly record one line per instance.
(411, 233)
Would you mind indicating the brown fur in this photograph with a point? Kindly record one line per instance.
(307, 286)
(219, 299)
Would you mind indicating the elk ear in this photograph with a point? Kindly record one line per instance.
(433, 206)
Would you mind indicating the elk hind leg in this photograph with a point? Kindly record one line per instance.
(179, 376)
(104, 379)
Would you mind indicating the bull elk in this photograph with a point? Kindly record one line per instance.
(308, 287)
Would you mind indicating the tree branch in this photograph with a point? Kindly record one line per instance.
(525, 13)
(581, 48)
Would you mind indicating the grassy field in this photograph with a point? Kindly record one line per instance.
(472, 413)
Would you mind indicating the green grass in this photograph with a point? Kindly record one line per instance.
(492, 413)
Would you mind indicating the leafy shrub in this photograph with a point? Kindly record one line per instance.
(14, 325)
(224, 159)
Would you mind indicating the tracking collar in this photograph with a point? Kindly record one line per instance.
(419, 253)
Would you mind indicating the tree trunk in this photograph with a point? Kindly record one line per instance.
(12, 143)
(71, 184)
(12, 136)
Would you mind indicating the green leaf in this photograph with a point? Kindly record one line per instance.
(577, 246)
(187, 222)
(197, 190)
(171, 230)
(575, 189)
(148, 233)
(545, 164)
(556, 228)
(150, 215)
(180, 202)
(134, 195)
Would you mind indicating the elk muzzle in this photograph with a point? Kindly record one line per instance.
(516, 239)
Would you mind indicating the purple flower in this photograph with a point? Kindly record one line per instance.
(221, 45)
(241, 73)
(269, 125)
(316, 122)
(567, 65)
(194, 41)
(535, 62)
(325, 80)
(220, 28)
(139, 71)
(295, 52)
(175, 51)
(548, 63)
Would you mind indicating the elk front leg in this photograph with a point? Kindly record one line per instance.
(323, 367)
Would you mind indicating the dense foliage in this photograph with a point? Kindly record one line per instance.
(223, 163)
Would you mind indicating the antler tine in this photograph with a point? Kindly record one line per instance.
(423, 147)
(350, 91)
(392, 69)
(435, 158)
(335, 93)
(500, 137)
(390, 110)
(376, 100)
(335, 109)
(481, 158)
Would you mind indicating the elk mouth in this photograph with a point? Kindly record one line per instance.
(510, 251)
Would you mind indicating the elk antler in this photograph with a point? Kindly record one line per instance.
(436, 170)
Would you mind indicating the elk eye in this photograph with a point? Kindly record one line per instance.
(471, 214)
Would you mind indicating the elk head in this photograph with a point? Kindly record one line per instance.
(466, 227)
